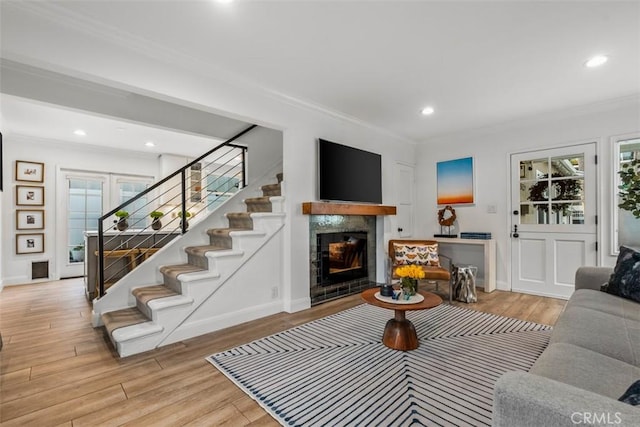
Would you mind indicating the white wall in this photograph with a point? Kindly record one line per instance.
(16, 269)
(115, 62)
(491, 148)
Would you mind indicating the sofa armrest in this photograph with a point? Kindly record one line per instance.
(524, 399)
(592, 277)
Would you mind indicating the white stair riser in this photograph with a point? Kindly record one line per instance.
(139, 345)
(195, 288)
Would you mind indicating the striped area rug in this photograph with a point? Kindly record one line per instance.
(335, 371)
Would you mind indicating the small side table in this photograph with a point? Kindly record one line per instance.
(399, 332)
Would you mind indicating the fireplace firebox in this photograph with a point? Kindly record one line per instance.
(342, 257)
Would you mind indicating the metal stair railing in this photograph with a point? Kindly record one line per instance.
(122, 248)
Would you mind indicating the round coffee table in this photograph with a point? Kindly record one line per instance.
(399, 333)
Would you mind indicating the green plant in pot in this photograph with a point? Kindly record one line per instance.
(156, 224)
(77, 253)
(187, 214)
(121, 223)
(630, 187)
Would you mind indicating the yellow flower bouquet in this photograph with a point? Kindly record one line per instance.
(409, 275)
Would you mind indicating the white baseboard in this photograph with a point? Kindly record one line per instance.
(16, 280)
(300, 304)
(503, 286)
(215, 323)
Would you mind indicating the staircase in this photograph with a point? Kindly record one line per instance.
(162, 311)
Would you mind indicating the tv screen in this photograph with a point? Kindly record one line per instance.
(349, 174)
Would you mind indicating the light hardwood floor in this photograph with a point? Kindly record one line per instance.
(56, 370)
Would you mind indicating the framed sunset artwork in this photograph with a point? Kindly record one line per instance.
(455, 182)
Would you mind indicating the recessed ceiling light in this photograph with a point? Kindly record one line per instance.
(427, 111)
(79, 132)
(150, 144)
(596, 61)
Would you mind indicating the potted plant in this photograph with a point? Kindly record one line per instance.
(156, 224)
(121, 223)
(630, 187)
(187, 214)
(77, 253)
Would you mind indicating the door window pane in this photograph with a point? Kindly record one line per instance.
(552, 190)
(82, 215)
(138, 210)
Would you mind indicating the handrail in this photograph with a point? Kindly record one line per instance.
(182, 211)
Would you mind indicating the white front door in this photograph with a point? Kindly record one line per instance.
(553, 227)
(405, 193)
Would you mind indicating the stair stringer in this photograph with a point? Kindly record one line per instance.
(246, 295)
(119, 295)
(168, 314)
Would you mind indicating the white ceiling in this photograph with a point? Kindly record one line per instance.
(477, 63)
(48, 122)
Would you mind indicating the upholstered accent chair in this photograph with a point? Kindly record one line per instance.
(423, 253)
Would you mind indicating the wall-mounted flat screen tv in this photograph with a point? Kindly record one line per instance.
(349, 174)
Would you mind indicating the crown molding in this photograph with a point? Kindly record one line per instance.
(144, 47)
(611, 104)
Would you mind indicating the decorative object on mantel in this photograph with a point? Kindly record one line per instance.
(328, 208)
(121, 223)
(446, 218)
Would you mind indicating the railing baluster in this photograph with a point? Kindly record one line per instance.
(182, 211)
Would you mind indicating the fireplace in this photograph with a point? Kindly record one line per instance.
(342, 257)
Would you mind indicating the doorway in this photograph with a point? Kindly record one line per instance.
(553, 221)
(84, 197)
(405, 195)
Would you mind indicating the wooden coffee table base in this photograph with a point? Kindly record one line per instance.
(400, 334)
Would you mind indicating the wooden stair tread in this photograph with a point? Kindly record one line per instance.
(148, 293)
(174, 270)
(224, 231)
(202, 250)
(121, 318)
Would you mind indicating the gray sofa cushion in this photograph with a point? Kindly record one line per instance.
(601, 332)
(600, 301)
(585, 369)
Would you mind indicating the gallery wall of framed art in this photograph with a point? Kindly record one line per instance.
(29, 203)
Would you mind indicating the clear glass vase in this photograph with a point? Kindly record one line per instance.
(409, 286)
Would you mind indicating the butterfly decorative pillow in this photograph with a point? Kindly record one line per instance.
(416, 254)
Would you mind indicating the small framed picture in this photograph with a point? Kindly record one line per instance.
(28, 195)
(29, 219)
(29, 171)
(29, 243)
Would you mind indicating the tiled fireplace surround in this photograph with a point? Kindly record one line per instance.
(319, 224)
(327, 217)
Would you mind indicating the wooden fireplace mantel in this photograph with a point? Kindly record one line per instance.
(328, 208)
